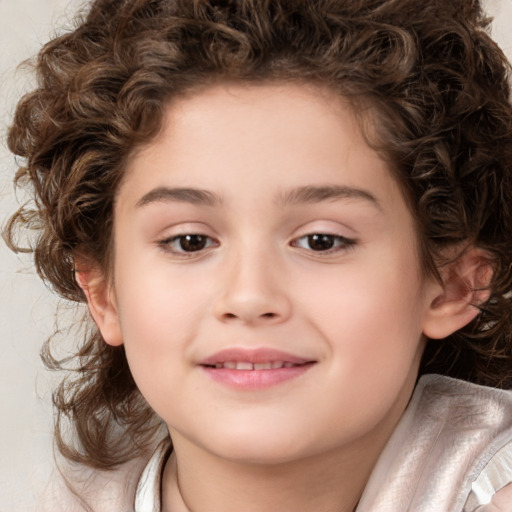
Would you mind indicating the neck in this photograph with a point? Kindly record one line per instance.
(202, 482)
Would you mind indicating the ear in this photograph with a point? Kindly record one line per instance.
(100, 300)
(454, 302)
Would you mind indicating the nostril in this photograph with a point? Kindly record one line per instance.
(264, 315)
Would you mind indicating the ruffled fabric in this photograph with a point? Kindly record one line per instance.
(493, 486)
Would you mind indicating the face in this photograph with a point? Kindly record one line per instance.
(266, 280)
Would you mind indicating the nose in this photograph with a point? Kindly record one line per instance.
(253, 292)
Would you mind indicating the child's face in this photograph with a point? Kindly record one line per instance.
(260, 223)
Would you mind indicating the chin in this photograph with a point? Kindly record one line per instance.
(249, 444)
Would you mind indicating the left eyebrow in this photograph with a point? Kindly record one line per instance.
(317, 194)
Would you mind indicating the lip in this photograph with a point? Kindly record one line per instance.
(254, 379)
(257, 355)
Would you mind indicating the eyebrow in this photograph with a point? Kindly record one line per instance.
(317, 194)
(184, 195)
(300, 195)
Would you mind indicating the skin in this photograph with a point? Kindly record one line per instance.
(360, 311)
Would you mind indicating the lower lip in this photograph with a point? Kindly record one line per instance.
(251, 380)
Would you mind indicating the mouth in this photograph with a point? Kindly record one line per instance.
(244, 369)
(246, 365)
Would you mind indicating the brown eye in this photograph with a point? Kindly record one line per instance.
(319, 242)
(323, 242)
(191, 243)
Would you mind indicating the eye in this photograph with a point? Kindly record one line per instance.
(188, 243)
(323, 242)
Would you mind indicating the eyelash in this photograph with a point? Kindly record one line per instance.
(340, 243)
(168, 244)
(174, 244)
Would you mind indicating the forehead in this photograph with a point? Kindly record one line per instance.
(270, 116)
(278, 136)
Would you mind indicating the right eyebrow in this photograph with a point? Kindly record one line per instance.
(184, 195)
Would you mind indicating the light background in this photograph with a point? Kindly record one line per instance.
(27, 308)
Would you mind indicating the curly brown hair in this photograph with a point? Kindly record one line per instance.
(427, 69)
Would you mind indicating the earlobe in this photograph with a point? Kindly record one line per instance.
(455, 302)
(100, 300)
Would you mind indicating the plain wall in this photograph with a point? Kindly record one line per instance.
(27, 308)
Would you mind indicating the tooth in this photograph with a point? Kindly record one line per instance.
(262, 366)
(288, 365)
(242, 365)
(219, 365)
(277, 364)
(231, 365)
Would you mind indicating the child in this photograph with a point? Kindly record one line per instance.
(291, 224)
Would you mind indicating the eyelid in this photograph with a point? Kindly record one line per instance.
(182, 228)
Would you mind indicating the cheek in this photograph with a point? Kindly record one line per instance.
(370, 313)
(158, 303)
(156, 335)
(159, 316)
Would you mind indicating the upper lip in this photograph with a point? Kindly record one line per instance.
(258, 355)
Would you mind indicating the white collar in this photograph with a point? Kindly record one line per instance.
(149, 488)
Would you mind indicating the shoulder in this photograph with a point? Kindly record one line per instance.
(452, 441)
(482, 417)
